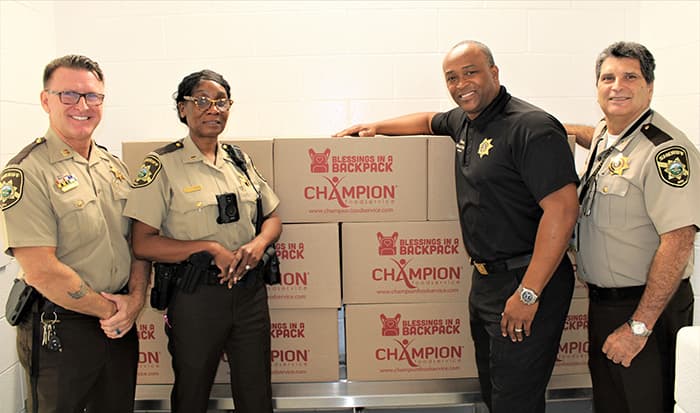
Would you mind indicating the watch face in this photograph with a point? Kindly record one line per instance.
(639, 328)
(527, 296)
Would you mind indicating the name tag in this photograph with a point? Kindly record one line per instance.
(190, 189)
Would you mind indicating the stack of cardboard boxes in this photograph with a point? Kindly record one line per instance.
(384, 210)
(405, 279)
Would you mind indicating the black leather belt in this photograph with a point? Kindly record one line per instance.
(596, 293)
(485, 268)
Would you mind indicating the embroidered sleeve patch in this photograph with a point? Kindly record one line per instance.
(11, 185)
(148, 171)
(672, 165)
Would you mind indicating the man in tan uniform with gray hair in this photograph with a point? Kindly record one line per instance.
(639, 217)
(62, 199)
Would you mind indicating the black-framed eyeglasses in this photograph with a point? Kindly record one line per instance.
(204, 103)
(69, 97)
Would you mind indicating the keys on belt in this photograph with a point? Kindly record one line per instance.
(485, 268)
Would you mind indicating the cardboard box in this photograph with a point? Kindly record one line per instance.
(573, 347)
(442, 194)
(310, 265)
(304, 346)
(408, 341)
(155, 363)
(393, 262)
(351, 179)
(259, 150)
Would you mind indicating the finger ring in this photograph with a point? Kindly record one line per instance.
(247, 267)
(518, 330)
(117, 331)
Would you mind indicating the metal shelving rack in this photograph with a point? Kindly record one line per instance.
(355, 396)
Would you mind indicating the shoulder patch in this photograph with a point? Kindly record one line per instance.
(171, 147)
(655, 135)
(672, 165)
(147, 172)
(26, 151)
(11, 187)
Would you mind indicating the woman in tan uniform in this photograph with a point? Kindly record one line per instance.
(191, 197)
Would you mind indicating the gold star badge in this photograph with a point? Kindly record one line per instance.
(618, 164)
(484, 147)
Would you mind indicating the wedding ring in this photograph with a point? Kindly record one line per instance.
(518, 330)
(247, 267)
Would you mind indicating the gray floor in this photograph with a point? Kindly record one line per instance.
(569, 406)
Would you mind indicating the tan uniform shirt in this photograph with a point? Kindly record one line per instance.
(53, 197)
(175, 190)
(646, 187)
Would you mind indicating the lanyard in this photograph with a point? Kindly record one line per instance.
(590, 177)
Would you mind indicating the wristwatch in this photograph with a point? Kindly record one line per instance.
(527, 296)
(639, 328)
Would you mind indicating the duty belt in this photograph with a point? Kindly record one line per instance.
(485, 268)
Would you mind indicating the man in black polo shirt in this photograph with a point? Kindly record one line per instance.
(516, 190)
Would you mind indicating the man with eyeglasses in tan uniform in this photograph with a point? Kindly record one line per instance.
(62, 199)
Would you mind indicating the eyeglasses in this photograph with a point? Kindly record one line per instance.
(204, 103)
(69, 97)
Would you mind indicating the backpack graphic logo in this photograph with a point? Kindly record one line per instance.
(387, 244)
(390, 326)
(319, 161)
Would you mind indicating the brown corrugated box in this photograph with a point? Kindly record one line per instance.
(408, 341)
(351, 179)
(309, 257)
(304, 347)
(442, 194)
(573, 347)
(393, 262)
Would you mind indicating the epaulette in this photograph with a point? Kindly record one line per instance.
(655, 135)
(171, 147)
(26, 151)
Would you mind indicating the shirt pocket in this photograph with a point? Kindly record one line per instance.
(192, 216)
(120, 193)
(79, 219)
(612, 198)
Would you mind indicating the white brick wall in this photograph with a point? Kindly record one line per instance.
(311, 68)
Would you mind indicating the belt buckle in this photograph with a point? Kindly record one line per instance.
(481, 267)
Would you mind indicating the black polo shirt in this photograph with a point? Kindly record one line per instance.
(507, 159)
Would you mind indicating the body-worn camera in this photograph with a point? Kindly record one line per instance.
(228, 208)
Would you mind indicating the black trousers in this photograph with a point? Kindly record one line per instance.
(647, 385)
(93, 372)
(514, 376)
(209, 322)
